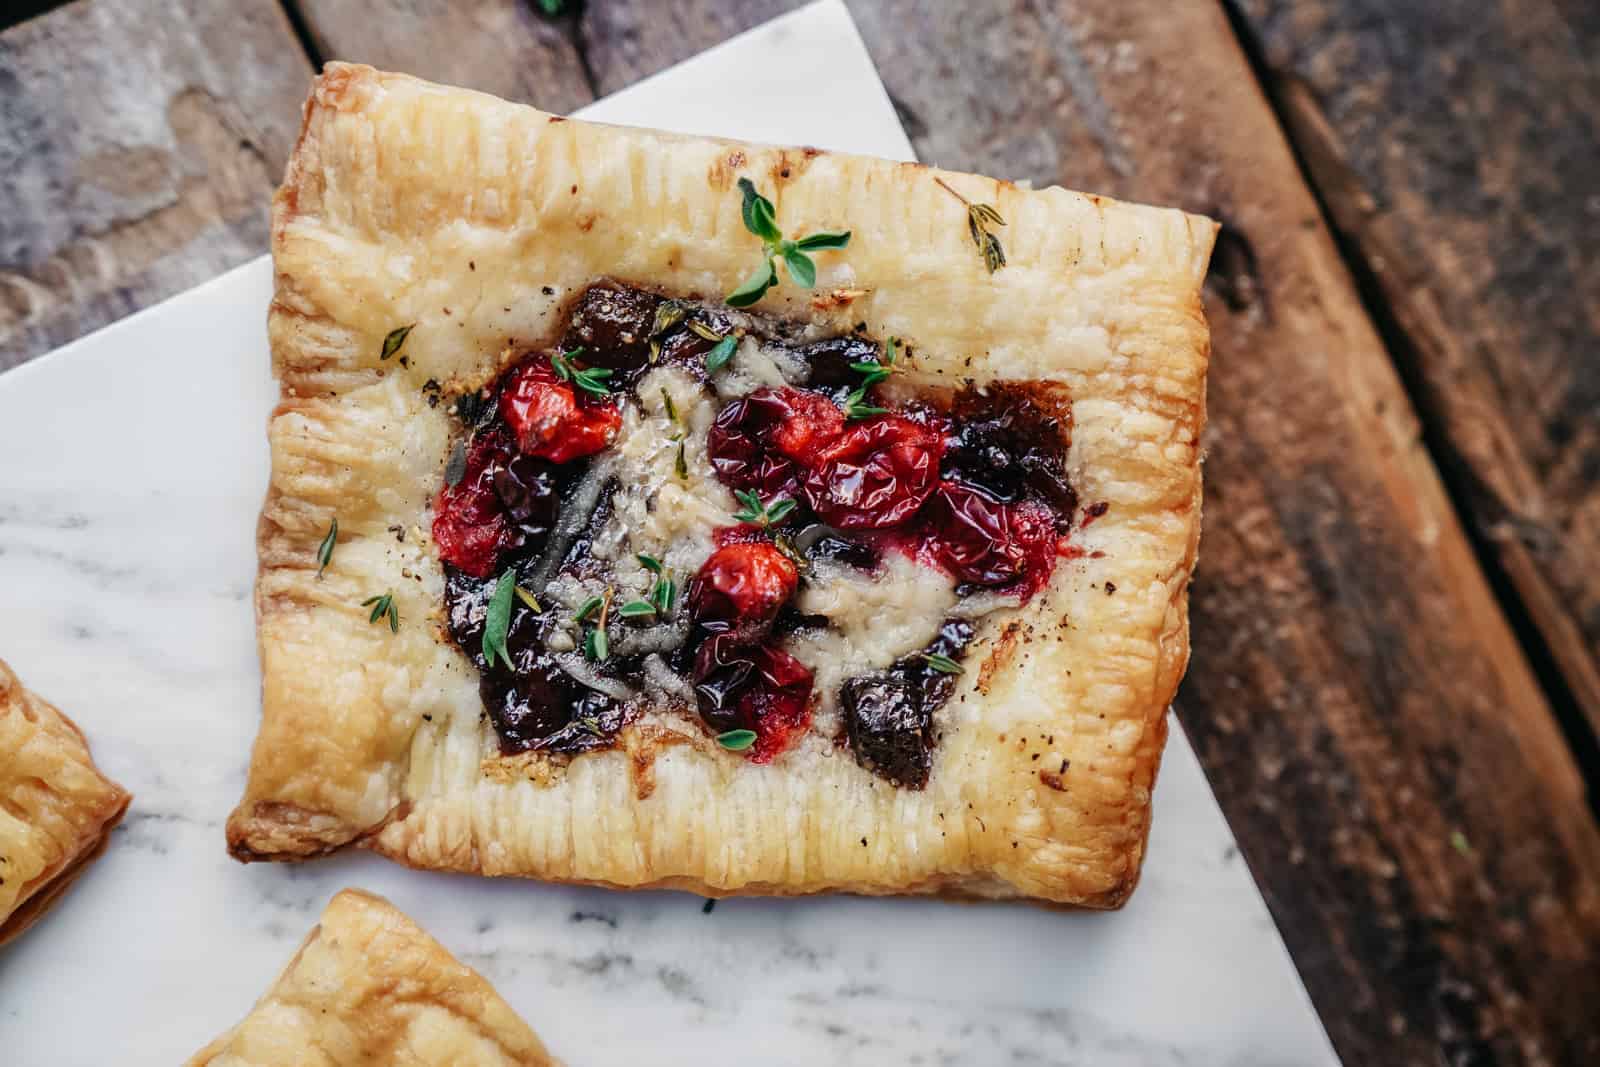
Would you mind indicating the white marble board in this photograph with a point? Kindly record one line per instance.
(132, 465)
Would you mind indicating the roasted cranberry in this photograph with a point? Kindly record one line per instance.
(822, 543)
(984, 541)
(752, 687)
(548, 418)
(469, 521)
(594, 723)
(889, 728)
(741, 588)
(612, 324)
(1012, 439)
(876, 475)
(888, 715)
(830, 362)
(764, 441)
(530, 490)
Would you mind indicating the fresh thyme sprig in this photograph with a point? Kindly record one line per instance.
(325, 550)
(760, 218)
(758, 514)
(383, 606)
(980, 217)
(497, 620)
(394, 339)
(590, 380)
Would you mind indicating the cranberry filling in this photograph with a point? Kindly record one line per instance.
(469, 520)
(877, 474)
(765, 441)
(986, 542)
(974, 485)
(741, 589)
(547, 418)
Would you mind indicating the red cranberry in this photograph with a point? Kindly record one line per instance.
(548, 418)
(612, 324)
(753, 687)
(469, 521)
(876, 475)
(983, 541)
(765, 440)
(741, 589)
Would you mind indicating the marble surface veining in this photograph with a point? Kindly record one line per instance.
(132, 465)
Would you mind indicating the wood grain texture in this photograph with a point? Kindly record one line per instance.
(139, 141)
(1380, 746)
(1457, 148)
(502, 47)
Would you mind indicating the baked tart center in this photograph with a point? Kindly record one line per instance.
(692, 508)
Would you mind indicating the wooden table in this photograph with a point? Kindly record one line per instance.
(1396, 678)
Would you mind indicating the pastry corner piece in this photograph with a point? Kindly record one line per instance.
(57, 810)
(370, 986)
(651, 510)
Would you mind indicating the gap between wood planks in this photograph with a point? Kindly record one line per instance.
(1290, 107)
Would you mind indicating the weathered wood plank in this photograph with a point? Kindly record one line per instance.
(138, 144)
(1456, 149)
(504, 47)
(1370, 724)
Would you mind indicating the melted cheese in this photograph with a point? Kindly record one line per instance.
(875, 619)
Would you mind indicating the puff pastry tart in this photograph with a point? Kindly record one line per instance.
(370, 986)
(56, 809)
(656, 511)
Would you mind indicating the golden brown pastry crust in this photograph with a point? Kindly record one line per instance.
(369, 986)
(56, 809)
(478, 220)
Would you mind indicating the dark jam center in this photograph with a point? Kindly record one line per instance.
(975, 486)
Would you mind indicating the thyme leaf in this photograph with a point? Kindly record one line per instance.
(754, 287)
(325, 550)
(668, 314)
(704, 332)
(718, 357)
(736, 740)
(455, 467)
(980, 219)
(636, 609)
(394, 339)
(856, 406)
(941, 663)
(497, 620)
